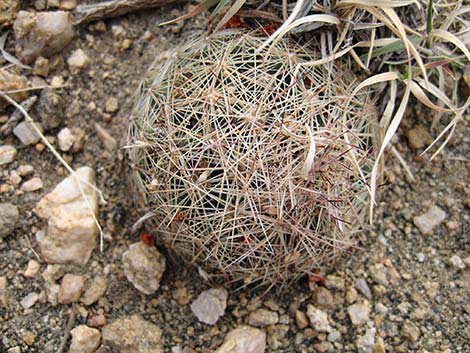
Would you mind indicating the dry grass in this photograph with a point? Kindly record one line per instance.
(247, 170)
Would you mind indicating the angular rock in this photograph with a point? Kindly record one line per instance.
(42, 34)
(318, 319)
(111, 105)
(71, 288)
(78, 60)
(244, 339)
(363, 287)
(410, 331)
(429, 220)
(9, 217)
(7, 154)
(84, 339)
(133, 335)
(41, 67)
(95, 291)
(32, 269)
(65, 139)
(366, 343)
(4, 293)
(50, 108)
(11, 82)
(301, 319)
(334, 282)
(97, 321)
(26, 133)
(262, 318)
(457, 262)
(33, 184)
(359, 313)
(210, 305)
(30, 299)
(144, 266)
(71, 229)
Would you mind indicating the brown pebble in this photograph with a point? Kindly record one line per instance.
(40, 147)
(97, 321)
(71, 288)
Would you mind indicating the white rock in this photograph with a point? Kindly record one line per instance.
(144, 266)
(133, 335)
(71, 288)
(25, 170)
(318, 319)
(26, 133)
(262, 318)
(71, 230)
(429, 220)
(32, 184)
(210, 305)
(65, 139)
(457, 262)
(79, 59)
(365, 344)
(334, 336)
(84, 339)
(359, 313)
(111, 105)
(244, 339)
(7, 154)
(32, 269)
(29, 300)
(9, 217)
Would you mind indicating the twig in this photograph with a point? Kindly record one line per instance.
(16, 117)
(68, 328)
(115, 8)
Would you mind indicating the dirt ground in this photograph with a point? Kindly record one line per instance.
(422, 290)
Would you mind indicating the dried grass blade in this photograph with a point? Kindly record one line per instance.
(7, 56)
(452, 39)
(310, 155)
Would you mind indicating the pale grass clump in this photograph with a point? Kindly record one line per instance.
(251, 169)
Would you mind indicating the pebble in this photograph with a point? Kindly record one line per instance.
(244, 339)
(84, 339)
(26, 133)
(68, 5)
(78, 60)
(14, 178)
(108, 141)
(32, 269)
(42, 34)
(366, 343)
(301, 319)
(71, 288)
(379, 346)
(323, 347)
(97, 321)
(7, 154)
(363, 287)
(133, 335)
(50, 108)
(427, 221)
(334, 336)
(29, 300)
(144, 266)
(25, 170)
(420, 257)
(182, 296)
(410, 331)
(8, 8)
(210, 305)
(111, 105)
(378, 274)
(262, 318)
(318, 319)
(323, 298)
(334, 282)
(65, 139)
(52, 273)
(4, 292)
(359, 313)
(71, 232)
(9, 82)
(9, 218)
(351, 295)
(32, 184)
(41, 67)
(457, 262)
(95, 291)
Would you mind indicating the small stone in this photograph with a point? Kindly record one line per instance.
(418, 137)
(68, 5)
(244, 339)
(381, 309)
(7, 154)
(378, 274)
(9, 217)
(112, 105)
(182, 296)
(363, 287)
(457, 262)
(420, 257)
(351, 295)
(65, 139)
(28, 337)
(26, 133)
(80, 137)
(42, 34)
(14, 178)
(366, 343)
(133, 335)
(57, 81)
(379, 346)
(108, 141)
(71, 288)
(97, 321)
(95, 291)
(262, 318)
(32, 269)
(210, 305)
(334, 336)
(334, 282)
(52, 273)
(323, 298)
(84, 339)
(8, 10)
(32, 184)
(11, 82)
(52, 293)
(318, 319)
(144, 267)
(410, 331)
(323, 347)
(301, 319)
(359, 313)
(41, 67)
(4, 292)
(429, 220)
(78, 60)
(25, 170)
(29, 300)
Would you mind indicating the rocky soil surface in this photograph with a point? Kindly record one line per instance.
(406, 288)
